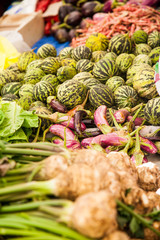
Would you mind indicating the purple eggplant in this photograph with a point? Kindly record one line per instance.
(61, 35)
(72, 34)
(73, 2)
(89, 123)
(100, 119)
(78, 120)
(73, 18)
(84, 24)
(70, 122)
(149, 3)
(117, 138)
(108, 6)
(64, 10)
(121, 115)
(91, 132)
(56, 105)
(62, 132)
(70, 144)
(148, 146)
(86, 142)
(89, 8)
(54, 28)
(137, 122)
(58, 141)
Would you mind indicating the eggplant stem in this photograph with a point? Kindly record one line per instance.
(44, 134)
(136, 107)
(85, 100)
(114, 120)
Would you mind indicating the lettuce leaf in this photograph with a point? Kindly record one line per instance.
(12, 118)
(18, 136)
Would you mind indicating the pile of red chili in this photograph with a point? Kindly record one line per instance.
(127, 18)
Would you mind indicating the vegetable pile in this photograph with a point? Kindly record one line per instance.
(124, 19)
(100, 100)
(97, 195)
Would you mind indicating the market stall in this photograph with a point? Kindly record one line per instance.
(80, 122)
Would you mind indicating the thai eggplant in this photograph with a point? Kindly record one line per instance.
(70, 144)
(86, 142)
(62, 132)
(147, 145)
(117, 138)
(121, 115)
(137, 122)
(56, 105)
(100, 119)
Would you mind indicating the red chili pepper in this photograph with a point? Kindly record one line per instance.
(47, 29)
(42, 5)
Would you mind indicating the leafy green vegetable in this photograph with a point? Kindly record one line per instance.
(1, 117)
(13, 121)
(30, 119)
(136, 228)
(18, 136)
(155, 215)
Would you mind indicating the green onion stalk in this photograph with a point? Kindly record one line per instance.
(71, 213)
(76, 180)
(79, 215)
(28, 226)
(46, 169)
(31, 166)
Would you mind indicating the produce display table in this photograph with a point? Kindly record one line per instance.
(51, 40)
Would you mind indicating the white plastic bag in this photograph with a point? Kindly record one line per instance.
(26, 6)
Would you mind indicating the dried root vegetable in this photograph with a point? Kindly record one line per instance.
(148, 176)
(154, 200)
(98, 211)
(148, 234)
(44, 170)
(124, 19)
(117, 235)
(122, 161)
